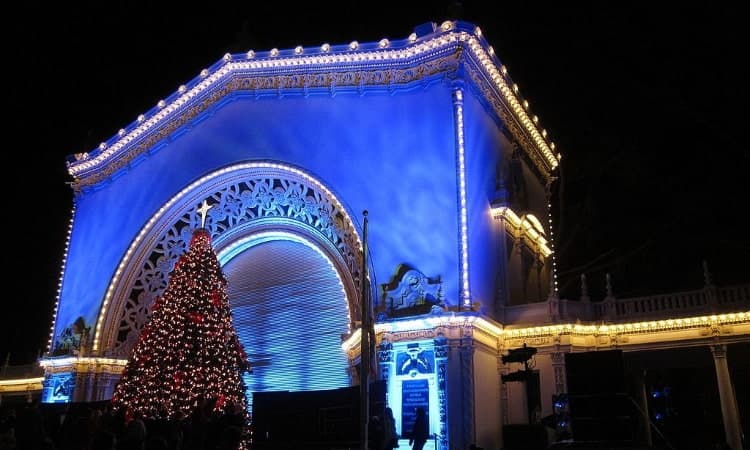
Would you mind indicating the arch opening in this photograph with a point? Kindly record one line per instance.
(251, 203)
(290, 310)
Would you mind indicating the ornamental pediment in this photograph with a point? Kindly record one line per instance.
(410, 292)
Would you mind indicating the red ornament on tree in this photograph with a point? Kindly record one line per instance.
(196, 317)
(220, 402)
(178, 377)
(189, 339)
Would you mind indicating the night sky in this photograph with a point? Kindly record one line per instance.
(648, 107)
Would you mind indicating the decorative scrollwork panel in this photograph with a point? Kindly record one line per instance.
(260, 196)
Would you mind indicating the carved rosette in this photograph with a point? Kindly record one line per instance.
(264, 199)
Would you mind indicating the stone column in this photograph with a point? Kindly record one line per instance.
(645, 419)
(729, 412)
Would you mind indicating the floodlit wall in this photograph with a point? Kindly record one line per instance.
(392, 155)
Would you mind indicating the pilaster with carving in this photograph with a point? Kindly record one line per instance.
(82, 386)
(466, 361)
(385, 359)
(105, 385)
(441, 367)
(558, 369)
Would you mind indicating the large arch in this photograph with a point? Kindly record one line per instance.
(248, 200)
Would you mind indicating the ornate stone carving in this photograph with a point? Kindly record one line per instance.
(409, 292)
(532, 341)
(258, 197)
(385, 352)
(385, 359)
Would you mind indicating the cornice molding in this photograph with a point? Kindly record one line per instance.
(380, 68)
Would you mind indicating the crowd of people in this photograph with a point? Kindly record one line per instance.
(96, 426)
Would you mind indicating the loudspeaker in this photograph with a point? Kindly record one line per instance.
(601, 372)
(599, 407)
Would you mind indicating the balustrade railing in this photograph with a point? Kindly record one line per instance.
(706, 301)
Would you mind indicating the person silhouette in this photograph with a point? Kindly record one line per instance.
(390, 437)
(420, 431)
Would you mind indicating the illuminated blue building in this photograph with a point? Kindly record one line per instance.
(429, 134)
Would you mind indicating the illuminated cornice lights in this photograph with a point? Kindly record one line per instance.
(630, 328)
(528, 226)
(426, 323)
(191, 190)
(30, 384)
(83, 361)
(552, 245)
(458, 319)
(445, 36)
(60, 280)
(509, 93)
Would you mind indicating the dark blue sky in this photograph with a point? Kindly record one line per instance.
(646, 103)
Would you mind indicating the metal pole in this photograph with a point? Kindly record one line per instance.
(364, 353)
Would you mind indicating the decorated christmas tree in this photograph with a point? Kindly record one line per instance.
(188, 353)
